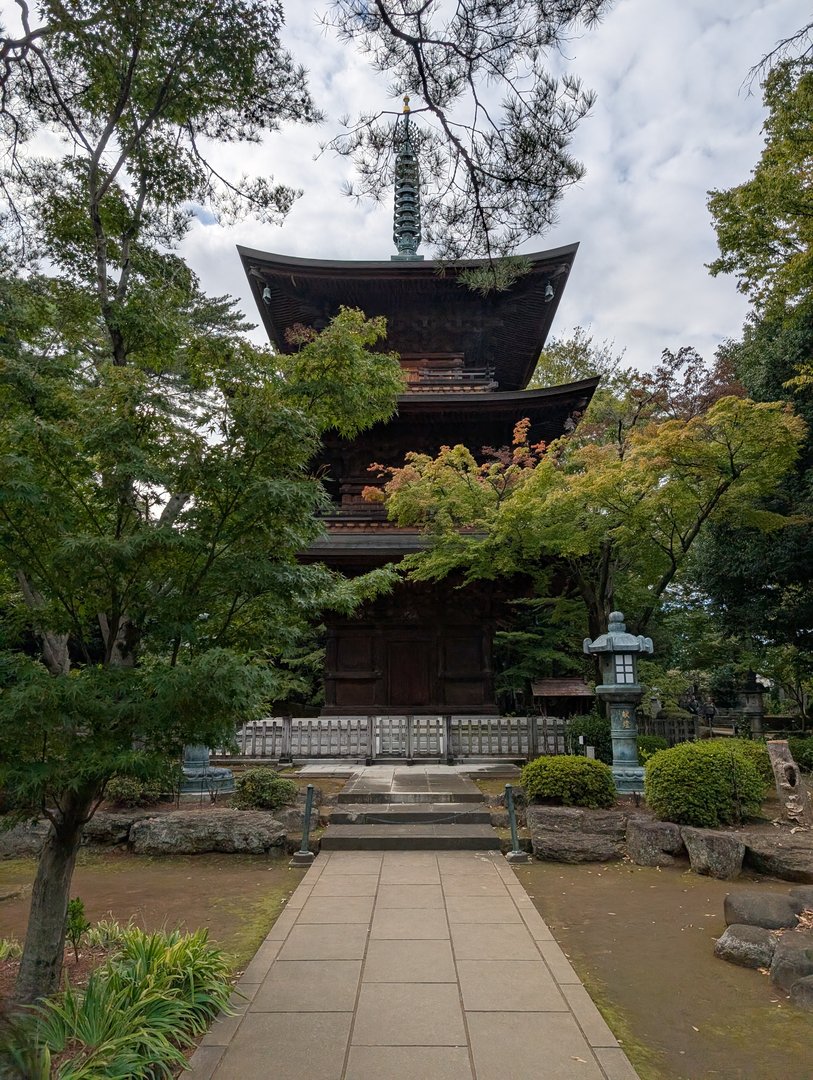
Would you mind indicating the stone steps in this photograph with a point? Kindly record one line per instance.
(356, 797)
(397, 798)
(411, 813)
(413, 837)
(402, 808)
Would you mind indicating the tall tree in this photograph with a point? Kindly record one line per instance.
(765, 225)
(761, 585)
(154, 488)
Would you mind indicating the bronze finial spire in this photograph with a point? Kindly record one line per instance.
(407, 215)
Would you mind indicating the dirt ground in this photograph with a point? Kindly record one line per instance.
(237, 897)
(642, 940)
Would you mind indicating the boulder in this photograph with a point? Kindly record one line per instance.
(191, 833)
(653, 843)
(318, 797)
(292, 819)
(792, 958)
(573, 835)
(784, 855)
(802, 898)
(26, 838)
(749, 946)
(755, 907)
(801, 993)
(714, 854)
(108, 828)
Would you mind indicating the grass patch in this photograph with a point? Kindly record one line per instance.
(643, 1058)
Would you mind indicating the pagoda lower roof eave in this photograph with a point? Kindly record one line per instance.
(364, 548)
(381, 538)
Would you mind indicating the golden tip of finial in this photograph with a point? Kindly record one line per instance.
(406, 103)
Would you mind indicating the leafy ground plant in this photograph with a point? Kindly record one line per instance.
(139, 1011)
(76, 925)
(107, 934)
(10, 949)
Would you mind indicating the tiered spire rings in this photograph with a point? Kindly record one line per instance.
(407, 215)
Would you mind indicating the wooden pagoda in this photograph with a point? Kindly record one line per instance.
(468, 358)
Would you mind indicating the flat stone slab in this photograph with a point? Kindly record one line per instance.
(410, 966)
(418, 813)
(398, 784)
(410, 838)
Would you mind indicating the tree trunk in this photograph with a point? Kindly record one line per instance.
(790, 787)
(41, 963)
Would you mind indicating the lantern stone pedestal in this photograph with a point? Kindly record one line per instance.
(618, 652)
(201, 778)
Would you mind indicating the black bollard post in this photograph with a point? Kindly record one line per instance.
(516, 854)
(304, 857)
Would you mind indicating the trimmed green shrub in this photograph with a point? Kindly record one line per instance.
(801, 747)
(596, 731)
(138, 1013)
(649, 745)
(262, 788)
(569, 780)
(757, 752)
(129, 791)
(706, 784)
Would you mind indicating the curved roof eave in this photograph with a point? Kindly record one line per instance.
(427, 310)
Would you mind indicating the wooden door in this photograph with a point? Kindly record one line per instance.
(409, 674)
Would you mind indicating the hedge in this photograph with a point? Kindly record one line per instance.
(709, 783)
(569, 780)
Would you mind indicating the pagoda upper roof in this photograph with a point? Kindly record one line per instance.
(428, 310)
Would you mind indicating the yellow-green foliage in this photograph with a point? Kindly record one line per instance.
(569, 780)
(706, 784)
(130, 791)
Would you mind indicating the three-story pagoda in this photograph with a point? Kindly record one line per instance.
(424, 649)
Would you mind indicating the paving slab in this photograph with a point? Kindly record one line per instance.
(530, 1046)
(309, 986)
(286, 1046)
(410, 896)
(409, 961)
(412, 1063)
(409, 1014)
(411, 966)
(508, 986)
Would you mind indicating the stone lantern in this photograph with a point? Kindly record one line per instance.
(752, 705)
(618, 652)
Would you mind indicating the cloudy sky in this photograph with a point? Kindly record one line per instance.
(673, 119)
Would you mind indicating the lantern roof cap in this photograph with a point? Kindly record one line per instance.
(617, 640)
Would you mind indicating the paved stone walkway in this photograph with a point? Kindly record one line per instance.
(411, 966)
